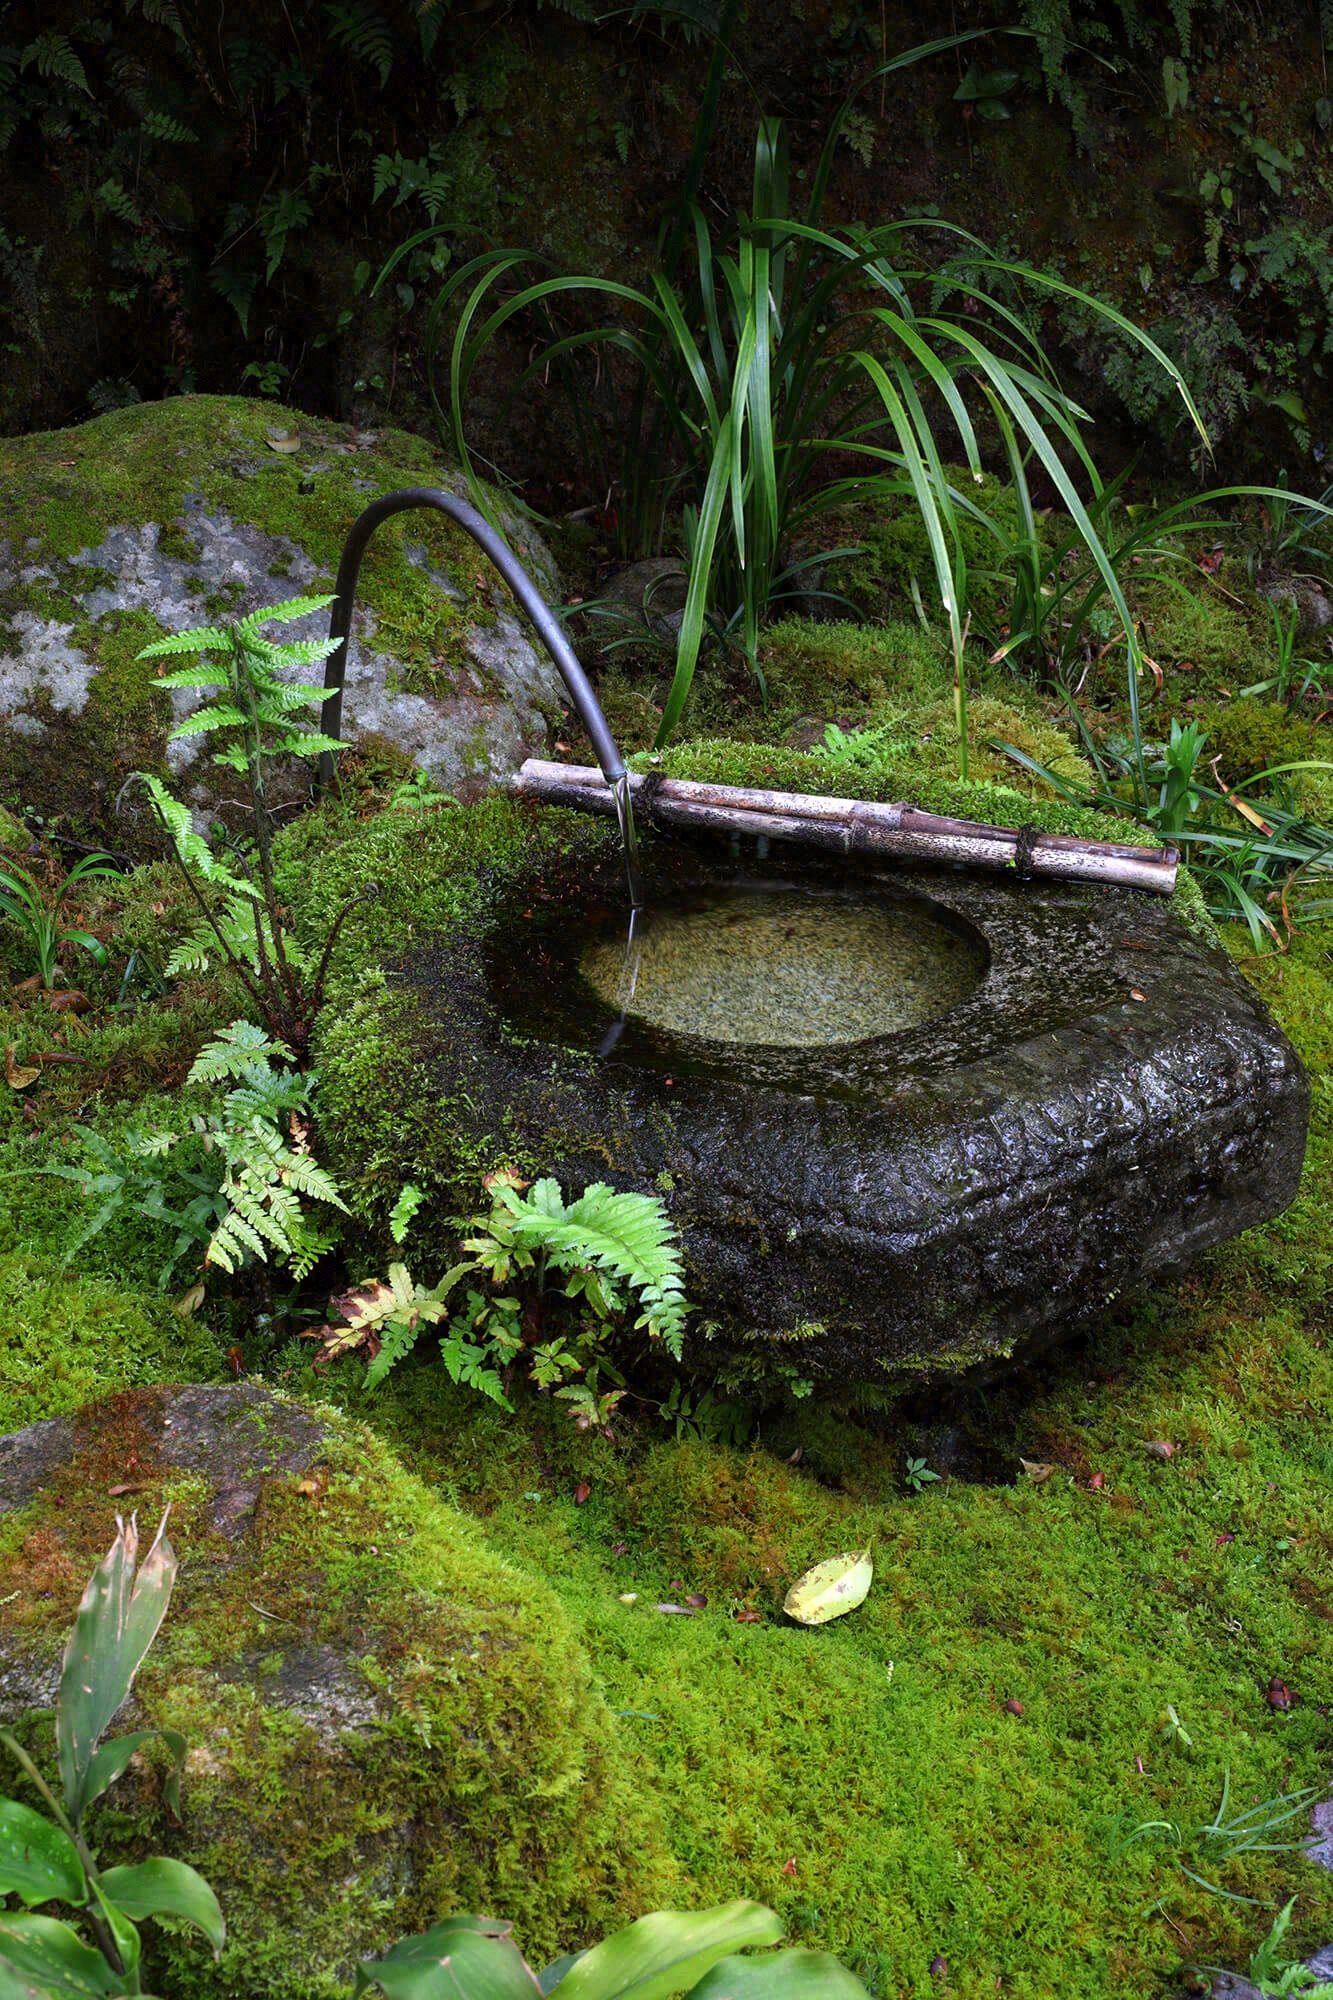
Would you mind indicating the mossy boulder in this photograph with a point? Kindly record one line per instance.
(912, 1200)
(162, 516)
(386, 1721)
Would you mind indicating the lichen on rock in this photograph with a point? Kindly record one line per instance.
(163, 516)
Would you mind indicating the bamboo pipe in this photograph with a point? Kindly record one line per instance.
(854, 826)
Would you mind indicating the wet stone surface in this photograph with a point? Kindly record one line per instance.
(1108, 1101)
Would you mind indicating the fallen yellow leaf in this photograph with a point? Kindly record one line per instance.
(830, 1589)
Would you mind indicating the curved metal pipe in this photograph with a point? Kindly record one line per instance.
(525, 590)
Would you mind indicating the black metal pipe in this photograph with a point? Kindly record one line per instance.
(525, 590)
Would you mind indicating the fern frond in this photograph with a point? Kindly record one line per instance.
(360, 27)
(249, 628)
(53, 56)
(625, 1233)
(233, 1051)
(307, 1251)
(159, 125)
(217, 715)
(302, 1174)
(399, 1338)
(231, 1242)
(208, 639)
(286, 695)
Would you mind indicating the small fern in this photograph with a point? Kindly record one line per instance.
(599, 1243)
(266, 1177)
(629, 1235)
(257, 711)
(52, 56)
(359, 26)
(235, 1182)
(159, 125)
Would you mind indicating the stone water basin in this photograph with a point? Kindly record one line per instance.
(904, 1119)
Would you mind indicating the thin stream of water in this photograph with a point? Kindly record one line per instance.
(629, 840)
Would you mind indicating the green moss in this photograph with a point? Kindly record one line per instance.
(1250, 737)
(68, 1339)
(817, 668)
(1201, 634)
(487, 1774)
(147, 466)
(878, 1755)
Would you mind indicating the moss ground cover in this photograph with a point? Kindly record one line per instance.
(937, 1777)
(491, 1768)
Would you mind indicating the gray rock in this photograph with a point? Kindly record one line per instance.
(446, 675)
(1111, 1100)
(646, 596)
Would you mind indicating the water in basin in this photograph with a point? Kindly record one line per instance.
(784, 967)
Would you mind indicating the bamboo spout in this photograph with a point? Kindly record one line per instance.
(855, 826)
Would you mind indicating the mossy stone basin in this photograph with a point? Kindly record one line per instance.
(1087, 1097)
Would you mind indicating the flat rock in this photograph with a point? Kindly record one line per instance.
(163, 516)
(384, 1720)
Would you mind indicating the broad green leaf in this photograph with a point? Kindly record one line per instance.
(38, 1861)
(830, 1589)
(456, 1960)
(784, 1975)
(117, 1621)
(550, 1975)
(164, 1888)
(43, 1959)
(123, 1933)
(667, 1952)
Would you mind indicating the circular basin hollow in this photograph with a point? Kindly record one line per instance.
(784, 967)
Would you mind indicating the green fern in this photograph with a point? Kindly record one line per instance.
(266, 1178)
(277, 215)
(158, 125)
(630, 1235)
(261, 711)
(359, 26)
(234, 1184)
(113, 198)
(240, 1051)
(52, 56)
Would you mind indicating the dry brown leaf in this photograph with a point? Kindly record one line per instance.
(1035, 1471)
(15, 1077)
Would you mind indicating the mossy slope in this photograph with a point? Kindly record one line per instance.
(387, 1720)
